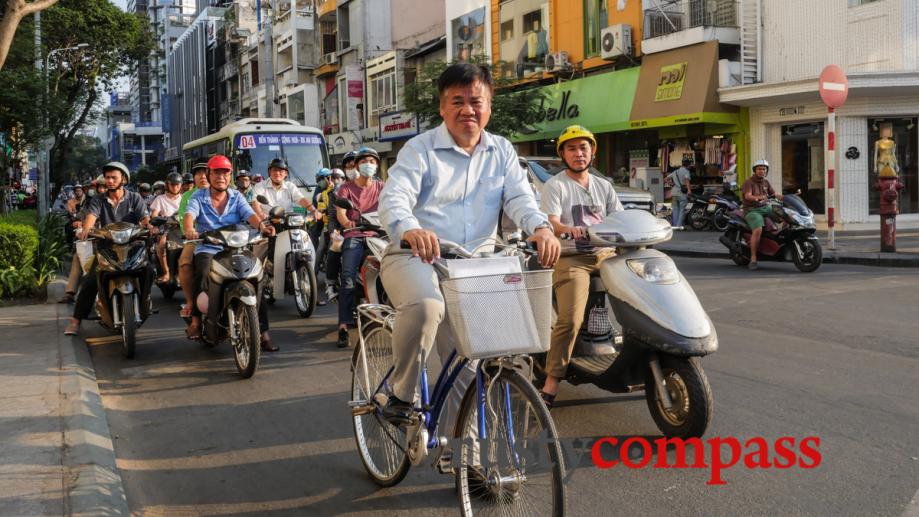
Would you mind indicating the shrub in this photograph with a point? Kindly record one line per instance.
(17, 242)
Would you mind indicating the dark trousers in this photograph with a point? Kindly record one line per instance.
(352, 256)
(315, 232)
(202, 266)
(89, 288)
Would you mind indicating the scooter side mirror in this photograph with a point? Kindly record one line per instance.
(158, 221)
(261, 199)
(344, 204)
(276, 211)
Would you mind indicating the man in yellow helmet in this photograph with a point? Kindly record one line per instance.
(574, 199)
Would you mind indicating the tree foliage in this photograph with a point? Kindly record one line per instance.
(511, 109)
(83, 161)
(13, 13)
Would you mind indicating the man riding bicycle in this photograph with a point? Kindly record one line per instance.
(573, 199)
(450, 182)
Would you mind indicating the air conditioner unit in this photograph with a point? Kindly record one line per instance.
(616, 41)
(557, 61)
(329, 59)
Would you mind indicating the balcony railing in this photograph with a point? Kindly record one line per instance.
(677, 15)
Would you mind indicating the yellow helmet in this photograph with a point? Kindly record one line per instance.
(572, 132)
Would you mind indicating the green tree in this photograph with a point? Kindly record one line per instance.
(83, 162)
(512, 108)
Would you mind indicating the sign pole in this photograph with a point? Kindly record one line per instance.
(831, 174)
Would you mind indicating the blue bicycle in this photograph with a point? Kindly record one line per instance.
(504, 451)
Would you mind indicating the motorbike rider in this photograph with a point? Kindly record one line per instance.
(756, 192)
(117, 205)
(212, 208)
(188, 179)
(76, 207)
(159, 188)
(680, 192)
(198, 176)
(349, 165)
(244, 184)
(166, 205)
(146, 192)
(333, 258)
(364, 195)
(449, 182)
(281, 192)
(321, 202)
(574, 199)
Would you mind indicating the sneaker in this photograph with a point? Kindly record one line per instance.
(331, 293)
(752, 266)
(343, 338)
(397, 412)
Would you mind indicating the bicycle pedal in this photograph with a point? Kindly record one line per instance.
(444, 463)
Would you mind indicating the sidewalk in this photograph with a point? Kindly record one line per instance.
(852, 247)
(56, 455)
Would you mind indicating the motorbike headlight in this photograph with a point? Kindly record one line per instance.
(121, 236)
(657, 270)
(236, 239)
(806, 221)
(612, 237)
(295, 220)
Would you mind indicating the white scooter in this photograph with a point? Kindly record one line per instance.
(664, 327)
(293, 269)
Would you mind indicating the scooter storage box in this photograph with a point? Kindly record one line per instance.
(494, 309)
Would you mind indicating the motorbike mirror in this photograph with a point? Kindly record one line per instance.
(262, 199)
(276, 211)
(344, 204)
(157, 221)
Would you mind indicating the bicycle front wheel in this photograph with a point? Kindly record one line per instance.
(381, 445)
(519, 468)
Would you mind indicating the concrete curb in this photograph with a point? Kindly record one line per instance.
(93, 484)
(829, 257)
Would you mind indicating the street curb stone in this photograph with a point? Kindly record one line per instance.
(94, 485)
(829, 257)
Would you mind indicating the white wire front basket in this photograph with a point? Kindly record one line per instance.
(500, 314)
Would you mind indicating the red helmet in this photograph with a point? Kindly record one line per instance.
(219, 161)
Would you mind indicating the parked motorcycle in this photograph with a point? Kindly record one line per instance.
(695, 213)
(721, 206)
(123, 276)
(371, 288)
(169, 226)
(795, 240)
(230, 294)
(293, 269)
(664, 327)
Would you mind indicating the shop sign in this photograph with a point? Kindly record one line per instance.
(564, 110)
(397, 126)
(670, 84)
(791, 110)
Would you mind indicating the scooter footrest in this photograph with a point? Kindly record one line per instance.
(594, 365)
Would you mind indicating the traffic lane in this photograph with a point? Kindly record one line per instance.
(777, 374)
(191, 437)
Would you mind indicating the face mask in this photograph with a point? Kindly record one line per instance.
(323, 184)
(351, 173)
(367, 169)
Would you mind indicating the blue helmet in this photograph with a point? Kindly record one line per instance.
(363, 152)
(323, 173)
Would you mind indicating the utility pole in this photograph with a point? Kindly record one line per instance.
(40, 149)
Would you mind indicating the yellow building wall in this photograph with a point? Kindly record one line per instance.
(325, 7)
(566, 26)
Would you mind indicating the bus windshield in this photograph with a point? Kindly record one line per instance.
(303, 152)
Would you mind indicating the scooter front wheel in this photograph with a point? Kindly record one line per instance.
(690, 412)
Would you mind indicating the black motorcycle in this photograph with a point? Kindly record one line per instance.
(230, 293)
(791, 236)
(124, 275)
(169, 226)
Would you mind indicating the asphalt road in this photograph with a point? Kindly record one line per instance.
(833, 354)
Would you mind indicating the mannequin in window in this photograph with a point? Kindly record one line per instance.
(885, 153)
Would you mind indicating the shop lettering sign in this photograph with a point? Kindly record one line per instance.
(791, 110)
(565, 110)
(670, 84)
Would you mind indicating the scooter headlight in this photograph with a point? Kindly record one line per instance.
(236, 239)
(656, 270)
(121, 236)
(610, 237)
(296, 220)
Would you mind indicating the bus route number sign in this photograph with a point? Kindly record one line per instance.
(247, 142)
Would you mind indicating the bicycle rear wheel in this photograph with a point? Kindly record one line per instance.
(519, 468)
(381, 445)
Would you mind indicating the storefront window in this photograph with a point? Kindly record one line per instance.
(295, 107)
(803, 164)
(905, 136)
(595, 19)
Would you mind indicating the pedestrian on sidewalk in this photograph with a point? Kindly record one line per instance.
(680, 192)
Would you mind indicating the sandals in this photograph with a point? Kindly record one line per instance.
(547, 398)
(72, 329)
(193, 332)
(185, 311)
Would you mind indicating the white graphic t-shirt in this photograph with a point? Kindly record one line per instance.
(576, 206)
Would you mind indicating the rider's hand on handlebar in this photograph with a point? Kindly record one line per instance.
(424, 244)
(268, 230)
(547, 246)
(191, 236)
(576, 232)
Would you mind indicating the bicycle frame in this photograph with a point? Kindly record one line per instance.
(430, 414)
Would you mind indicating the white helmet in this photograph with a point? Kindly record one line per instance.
(759, 162)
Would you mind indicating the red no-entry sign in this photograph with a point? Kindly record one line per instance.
(834, 86)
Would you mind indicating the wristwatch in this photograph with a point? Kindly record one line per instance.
(546, 226)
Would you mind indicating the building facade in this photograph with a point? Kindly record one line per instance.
(877, 44)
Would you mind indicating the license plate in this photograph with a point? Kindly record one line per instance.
(712, 208)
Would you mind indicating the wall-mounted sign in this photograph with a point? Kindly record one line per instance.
(670, 84)
(397, 126)
(852, 153)
(791, 110)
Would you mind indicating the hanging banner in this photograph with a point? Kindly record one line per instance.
(355, 90)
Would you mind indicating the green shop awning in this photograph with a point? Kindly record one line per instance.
(601, 103)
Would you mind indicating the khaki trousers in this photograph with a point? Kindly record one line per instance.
(414, 290)
(76, 273)
(571, 281)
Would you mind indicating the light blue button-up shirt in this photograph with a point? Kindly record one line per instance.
(207, 219)
(437, 186)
